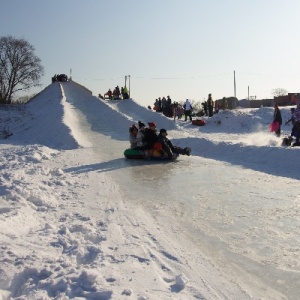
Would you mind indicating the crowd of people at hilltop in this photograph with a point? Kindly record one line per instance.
(173, 109)
(176, 110)
(164, 105)
(59, 77)
(153, 144)
(116, 94)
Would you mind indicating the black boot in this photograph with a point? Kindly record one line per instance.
(187, 151)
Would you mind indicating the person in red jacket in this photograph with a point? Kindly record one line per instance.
(108, 93)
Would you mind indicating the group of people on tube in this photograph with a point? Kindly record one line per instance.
(154, 144)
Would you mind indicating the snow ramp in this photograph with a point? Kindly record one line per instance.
(111, 118)
(135, 112)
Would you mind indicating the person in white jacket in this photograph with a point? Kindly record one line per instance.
(134, 138)
(187, 109)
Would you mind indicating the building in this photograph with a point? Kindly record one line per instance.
(289, 99)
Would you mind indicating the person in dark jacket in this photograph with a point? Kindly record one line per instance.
(277, 118)
(210, 106)
(150, 136)
(292, 119)
(297, 124)
(205, 108)
(168, 147)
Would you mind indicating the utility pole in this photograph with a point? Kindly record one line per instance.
(248, 93)
(234, 84)
(129, 85)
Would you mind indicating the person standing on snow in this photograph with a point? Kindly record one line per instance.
(210, 106)
(175, 110)
(297, 124)
(125, 94)
(187, 109)
(217, 106)
(292, 119)
(169, 107)
(277, 118)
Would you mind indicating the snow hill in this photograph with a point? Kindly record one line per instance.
(230, 136)
(241, 134)
(78, 220)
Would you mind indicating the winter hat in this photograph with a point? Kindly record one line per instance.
(151, 124)
(163, 131)
(141, 124)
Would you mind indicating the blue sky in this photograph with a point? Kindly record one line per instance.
(185, 49)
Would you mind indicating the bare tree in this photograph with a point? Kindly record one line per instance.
(279, 92)
(20, 68)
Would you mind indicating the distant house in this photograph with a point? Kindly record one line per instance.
(228, 103)
(231, 102)
(256, 103)
(289, 99)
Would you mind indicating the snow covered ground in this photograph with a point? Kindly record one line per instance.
(78, 220)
